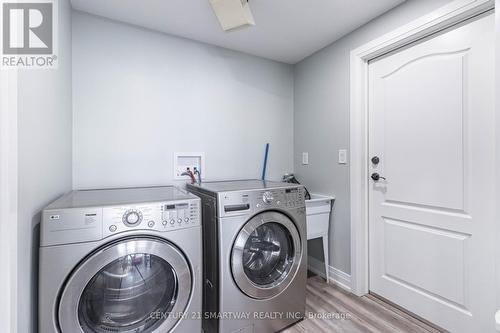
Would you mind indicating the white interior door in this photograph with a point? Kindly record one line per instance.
(431, 230)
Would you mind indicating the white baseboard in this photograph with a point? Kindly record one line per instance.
(337, 277)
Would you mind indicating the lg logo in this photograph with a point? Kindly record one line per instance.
(27, 28)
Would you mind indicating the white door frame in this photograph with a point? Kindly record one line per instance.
(453, 13)
(8, 199)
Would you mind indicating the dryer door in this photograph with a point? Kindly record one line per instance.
(134, 285)
(266, 255)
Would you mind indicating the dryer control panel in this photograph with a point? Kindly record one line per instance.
(161, 216)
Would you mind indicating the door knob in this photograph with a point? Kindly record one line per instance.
(375, 160)
(376, 177)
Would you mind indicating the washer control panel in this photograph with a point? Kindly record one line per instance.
(245, 202)
(287, 198)
(161, 216)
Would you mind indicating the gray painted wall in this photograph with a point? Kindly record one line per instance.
(44, 160)
(322, 121)
(139, 96)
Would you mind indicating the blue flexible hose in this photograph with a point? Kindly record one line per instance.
(265, 162)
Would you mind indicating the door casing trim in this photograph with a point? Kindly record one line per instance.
(442, 18)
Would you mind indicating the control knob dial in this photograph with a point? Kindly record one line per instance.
(132, 217)
(267, 197)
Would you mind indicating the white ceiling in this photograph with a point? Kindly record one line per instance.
(286, 30)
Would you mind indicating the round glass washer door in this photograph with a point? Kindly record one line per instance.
(266, 255)
(137, 285)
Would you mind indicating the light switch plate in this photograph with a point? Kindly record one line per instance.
(305, 158)
(342, 156)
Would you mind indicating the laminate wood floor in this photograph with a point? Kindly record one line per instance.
(331, 309)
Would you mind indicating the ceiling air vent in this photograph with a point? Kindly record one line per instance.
(233, 14)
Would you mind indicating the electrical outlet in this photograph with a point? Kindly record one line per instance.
(342, 156)
(305, 158)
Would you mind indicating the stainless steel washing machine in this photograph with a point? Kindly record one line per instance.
(255, 247)
(122, 261)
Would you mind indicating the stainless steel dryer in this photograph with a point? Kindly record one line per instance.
(122, 261)
(255, 255)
